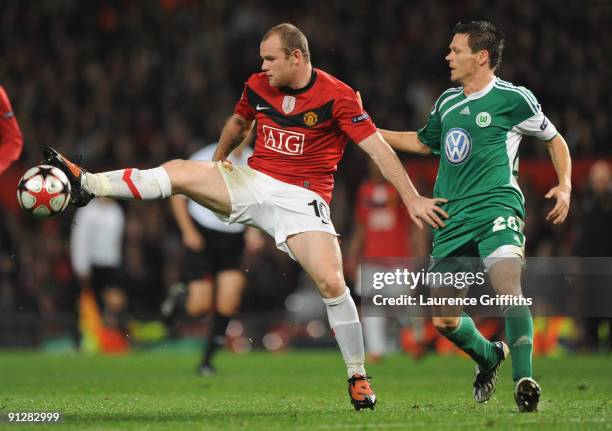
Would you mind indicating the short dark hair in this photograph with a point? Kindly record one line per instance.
(482, 35)
(291, 37)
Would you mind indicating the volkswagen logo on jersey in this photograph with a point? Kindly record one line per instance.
(458, 145)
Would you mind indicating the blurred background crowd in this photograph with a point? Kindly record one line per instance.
(135, 83)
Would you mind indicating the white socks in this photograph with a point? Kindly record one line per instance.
(375, 334)
(129, 184)
(344, 321)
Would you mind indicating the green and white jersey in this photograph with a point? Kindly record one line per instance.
(477, 138)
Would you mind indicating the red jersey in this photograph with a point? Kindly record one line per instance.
(301, 134)
(385, 221)
(11, 140)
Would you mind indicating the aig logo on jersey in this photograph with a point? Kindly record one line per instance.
(283, 141)
(457, 145)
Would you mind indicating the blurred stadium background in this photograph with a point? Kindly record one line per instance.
(135, 83)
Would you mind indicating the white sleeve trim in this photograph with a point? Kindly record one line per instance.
(539, 126)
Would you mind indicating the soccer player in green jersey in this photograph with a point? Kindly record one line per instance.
(476, 129)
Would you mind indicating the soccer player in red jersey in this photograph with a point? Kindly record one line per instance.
(11, 139)
(304, 118)
(381, 230)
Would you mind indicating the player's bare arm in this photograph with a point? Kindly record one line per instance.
(249, 140)
(419, 208)
(405, 141)
(234, 132)
(560, 156)
(401, 141)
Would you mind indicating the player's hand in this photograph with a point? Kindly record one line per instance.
(562, 194)
(427, 210)
(193, 240)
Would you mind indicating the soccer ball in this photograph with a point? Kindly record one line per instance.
(43, 191)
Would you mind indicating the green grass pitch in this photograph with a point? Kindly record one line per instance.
(292, 391)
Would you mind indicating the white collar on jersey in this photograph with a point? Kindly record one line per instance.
(478, 94)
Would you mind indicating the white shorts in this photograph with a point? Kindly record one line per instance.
(504, 252)
(278, 208)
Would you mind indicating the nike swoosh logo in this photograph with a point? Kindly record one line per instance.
(261, 108)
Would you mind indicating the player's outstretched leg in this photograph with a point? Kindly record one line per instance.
(121, 184)
(200, 181)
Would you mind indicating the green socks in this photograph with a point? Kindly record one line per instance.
(519, 333)
(467, 337)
